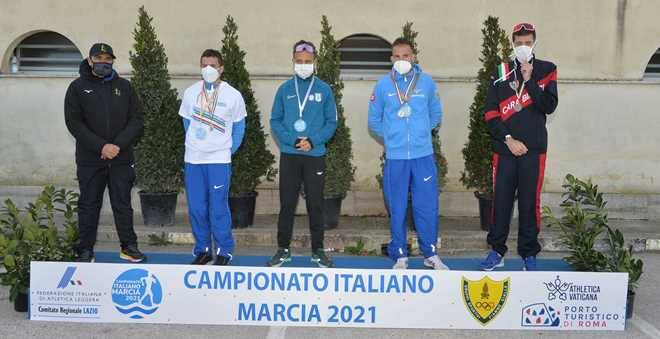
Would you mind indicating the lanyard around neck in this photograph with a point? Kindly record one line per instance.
(404, 97)
(522, 87)
(301, 105)
(204, 99)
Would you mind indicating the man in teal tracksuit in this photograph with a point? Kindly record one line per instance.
(404, 109)
(303, 119)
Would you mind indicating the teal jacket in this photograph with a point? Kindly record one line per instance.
(320, 115)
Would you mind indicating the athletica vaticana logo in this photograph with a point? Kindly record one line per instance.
(563, 290)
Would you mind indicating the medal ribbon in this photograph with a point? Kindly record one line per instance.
(518, 94)
(204, 102)
(301, 106)
(522, 88)
(411, 86)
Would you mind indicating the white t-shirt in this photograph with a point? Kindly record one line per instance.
(208, 140)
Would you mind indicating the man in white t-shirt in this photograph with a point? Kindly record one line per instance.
(214, 119)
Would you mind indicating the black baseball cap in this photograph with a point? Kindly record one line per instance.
(101, 48)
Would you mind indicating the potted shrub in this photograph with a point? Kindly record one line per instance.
(32, 235)
(619, 259)
(584, 220)
(159, 153)
(478, 151)
(253, 161)
(581, 227)
(440, 160)
(340, 172)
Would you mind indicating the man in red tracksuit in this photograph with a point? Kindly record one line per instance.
(522, 94)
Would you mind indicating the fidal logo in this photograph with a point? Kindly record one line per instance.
(67, 278)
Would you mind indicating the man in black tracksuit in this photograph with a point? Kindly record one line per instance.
(103, 113)
(521, 96)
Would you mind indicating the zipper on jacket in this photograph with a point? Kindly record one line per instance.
(107, 110)
(104, 97)
(408, 130)
(405, 80)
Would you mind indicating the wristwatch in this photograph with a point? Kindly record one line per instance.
(506, 137)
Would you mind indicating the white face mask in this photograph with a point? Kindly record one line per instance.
(303, 70)
(523, 53)
(210, 74)
(402, 66)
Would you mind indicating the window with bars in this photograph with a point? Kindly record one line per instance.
(46, 52)
(364, 53)
(653, 68)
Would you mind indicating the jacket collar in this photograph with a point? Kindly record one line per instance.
(416, 69)
(303, 81)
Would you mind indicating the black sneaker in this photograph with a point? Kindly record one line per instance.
(202, 259)
(281, 256)
(132, 254)
(320, 258)
(221, 260)
(85, 256)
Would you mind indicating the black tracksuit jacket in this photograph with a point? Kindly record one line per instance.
(98, 112)
(538, 99)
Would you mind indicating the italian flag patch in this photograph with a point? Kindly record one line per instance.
(502, 72)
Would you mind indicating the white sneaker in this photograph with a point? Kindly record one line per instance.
(401, 264)
(435, 263)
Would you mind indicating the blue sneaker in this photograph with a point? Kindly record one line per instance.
(529, 263)
(492, 261)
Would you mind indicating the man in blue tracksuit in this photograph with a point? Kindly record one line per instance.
(303, 119)
(404, 109)
(213, 115)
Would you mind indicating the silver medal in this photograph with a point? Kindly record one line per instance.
(300, 125)
(404, 111)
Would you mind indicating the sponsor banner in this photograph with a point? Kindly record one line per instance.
(184, 294)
